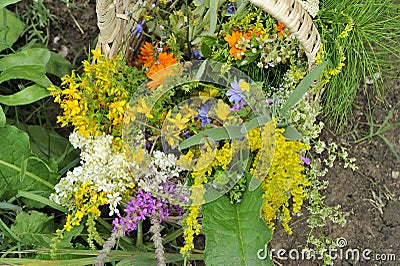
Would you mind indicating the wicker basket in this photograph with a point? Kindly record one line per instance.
(116, 21)
(297, 20)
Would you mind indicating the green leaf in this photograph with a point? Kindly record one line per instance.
(42, 200)
(5, 3)
(49, 144)
(205, 50)
(34, 229)
(26, 57)
(58, 65)
(219, 133)
(8, 232)
(35, 73)
(2, 116)
(213, 16)
(14, 150)
(9, 206)
(291, 133)
(28, 95)
(235, 233)
(11, 28)
(224, 132)
(303, 86)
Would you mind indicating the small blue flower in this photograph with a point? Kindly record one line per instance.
(203, 115)
(236, 93)
(138, 29)
(231, 9)
(196, 54)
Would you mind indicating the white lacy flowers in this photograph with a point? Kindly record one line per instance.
(161, 168)
(311, 6)
(104, 169)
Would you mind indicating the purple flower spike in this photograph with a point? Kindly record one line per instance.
(138, 208)
(305, 160)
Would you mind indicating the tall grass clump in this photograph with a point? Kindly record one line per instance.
(363, 35)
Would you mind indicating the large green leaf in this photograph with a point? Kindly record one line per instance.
(28, 56)
(5, 3)
(47, 143)
(20, 169)
(58, 65)
(35, 73)
(235, 233)
(26, 96)
(10, 27)
(34, 229)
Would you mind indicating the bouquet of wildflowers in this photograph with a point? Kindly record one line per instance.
(211, 128)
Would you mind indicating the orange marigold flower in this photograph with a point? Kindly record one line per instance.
(156, 61)
(165, 75)
(279, 28)
(164, 60)
(146, 56)
(233, 41)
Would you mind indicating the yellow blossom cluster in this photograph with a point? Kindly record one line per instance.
(285, 182)
(87, 202)
(95, 101)
(203, 169)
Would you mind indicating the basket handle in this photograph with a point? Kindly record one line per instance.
(115, 24)
(297, 20)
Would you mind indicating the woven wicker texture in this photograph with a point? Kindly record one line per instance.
(116, 20)
(297, 20)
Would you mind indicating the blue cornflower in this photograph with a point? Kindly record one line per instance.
(236, 93)
(231, 9)
(138, 29)
(196, 54)
(203, 115)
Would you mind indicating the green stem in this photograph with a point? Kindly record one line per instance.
(139, 241)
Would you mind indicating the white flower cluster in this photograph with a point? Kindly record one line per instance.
(102, 168)
(161, 167)
(311, 6)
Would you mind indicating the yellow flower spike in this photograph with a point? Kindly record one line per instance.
(67, 225)
(185, 161)
(284, 182)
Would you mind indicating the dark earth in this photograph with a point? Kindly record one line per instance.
(369, 196)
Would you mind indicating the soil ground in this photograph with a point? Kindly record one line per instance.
(370, 196)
